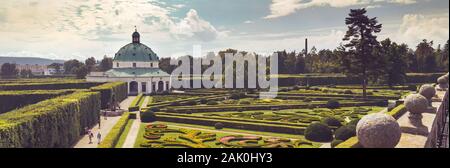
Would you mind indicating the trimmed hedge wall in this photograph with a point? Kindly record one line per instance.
(10, 100)
(136, 103)
(48, 86)
(113, 136)
(117, 89)
(235, 124)
(53, 123)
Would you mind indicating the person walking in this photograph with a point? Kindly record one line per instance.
(91, 135)
(99, 137)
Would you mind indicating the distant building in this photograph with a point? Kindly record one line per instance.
(38, 70)
(138, 65)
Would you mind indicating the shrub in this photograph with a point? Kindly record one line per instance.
(203, 101)
(211, 103)
(335, 143)
(333, 104)
(296, 87)
(348, 91)
(218, 126)
(318, 132)
(148, 117)
(345, 132)
(331, 121)
(133, 108)
(191, 103)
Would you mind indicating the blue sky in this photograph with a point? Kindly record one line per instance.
(64, 29)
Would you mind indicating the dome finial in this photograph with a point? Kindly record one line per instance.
(136, 36)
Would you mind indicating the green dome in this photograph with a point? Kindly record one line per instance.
(136, 52)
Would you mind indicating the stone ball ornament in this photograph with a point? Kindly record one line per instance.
(443, 82)
(428, 91)
(416, 104)
(378, 131)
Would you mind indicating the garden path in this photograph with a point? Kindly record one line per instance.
(413, 137)
(106, 126)
(134, 130)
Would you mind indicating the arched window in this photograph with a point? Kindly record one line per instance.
(117, 65)
(134, 65)
(151, 65)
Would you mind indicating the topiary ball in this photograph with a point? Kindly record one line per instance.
(378, 131)
(332, 121)
(219, 126)
(428, 91)
(345, 132)
(416, 103)
(318, 132)
(333, 104)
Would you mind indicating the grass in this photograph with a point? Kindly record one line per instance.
(124, 134)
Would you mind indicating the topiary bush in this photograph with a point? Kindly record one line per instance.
(148, 117)
(345, 132)
(331, 121)
(211, 103)
(237, 96)
(203, 101)
(219, 126)
(335, 143)
(191, 103)
(348, 91)
(333, 104)
(318, 132)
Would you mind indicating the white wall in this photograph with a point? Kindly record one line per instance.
(138, 64)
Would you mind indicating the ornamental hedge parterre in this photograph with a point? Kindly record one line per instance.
(53, 123)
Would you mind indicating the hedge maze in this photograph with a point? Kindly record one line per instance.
(49, 113)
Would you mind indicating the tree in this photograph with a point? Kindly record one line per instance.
(106, 64)
(81, 71)
(8, 70)
(300, 63)
(26, 73)
(425, 56)
(90, 64)
(394, 55)
(71, 66)
(444, 56)
(361, 43)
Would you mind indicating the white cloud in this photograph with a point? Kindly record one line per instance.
(280, 8)
(249, 22)
(414, 28)
(192, 26)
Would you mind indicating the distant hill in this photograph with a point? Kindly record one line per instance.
(28, 60)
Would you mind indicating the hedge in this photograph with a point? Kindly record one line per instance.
(10, 100)
(350, 143)
(118, 90)
(113, 136)
(137, 103)
(53, 123)
(398, 111)
(48, 86)
(235, 124)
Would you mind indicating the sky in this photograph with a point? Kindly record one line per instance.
(68, 29)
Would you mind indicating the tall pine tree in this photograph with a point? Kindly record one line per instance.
(360, 60)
